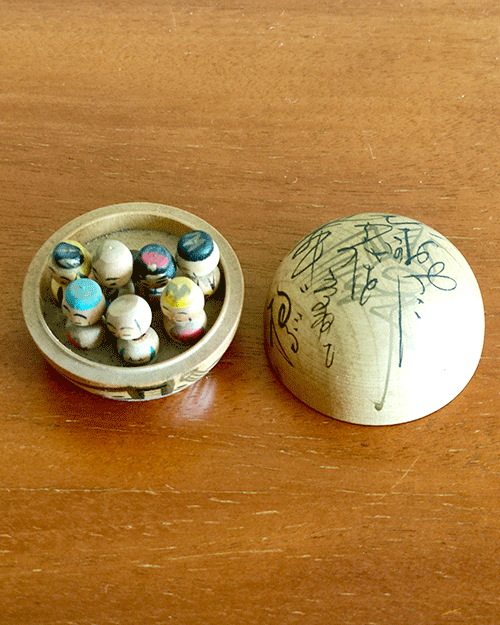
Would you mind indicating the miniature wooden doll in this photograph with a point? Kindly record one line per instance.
(83, 305)
(197, 258)
(182, 304)
(129, 319)
(69, 261)
(112, 265)
(153, 268)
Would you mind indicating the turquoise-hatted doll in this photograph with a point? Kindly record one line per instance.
(83, 305)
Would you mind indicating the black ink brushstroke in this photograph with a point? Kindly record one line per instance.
(284, 313)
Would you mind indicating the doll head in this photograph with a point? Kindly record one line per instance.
(112, 264)
(128, 317)
(154, 266)
(182, 300)
(197, 253)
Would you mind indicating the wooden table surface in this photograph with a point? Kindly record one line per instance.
(232, 502)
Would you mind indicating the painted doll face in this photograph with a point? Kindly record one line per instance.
(69, 261)
(177, 316)
(128, 317)
(112, 264)
(83, 302)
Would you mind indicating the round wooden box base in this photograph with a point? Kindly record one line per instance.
(101, 370)
(374, 319)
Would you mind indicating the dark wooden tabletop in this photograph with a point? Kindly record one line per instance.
(233, 502)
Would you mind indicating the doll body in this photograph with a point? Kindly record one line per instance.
(139, 351)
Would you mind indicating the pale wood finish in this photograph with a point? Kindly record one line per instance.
(233, 502)
(374, 319)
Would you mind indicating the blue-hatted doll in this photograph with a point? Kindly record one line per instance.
(69, 261)
(197, 258)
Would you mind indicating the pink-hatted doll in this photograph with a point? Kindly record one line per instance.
(84, 305)
(153, 268)
(112, 266)
(69, 261)
(182, 304)
(128, 318)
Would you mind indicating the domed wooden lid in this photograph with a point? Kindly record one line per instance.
(374, 319)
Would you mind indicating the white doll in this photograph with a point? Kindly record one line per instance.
(84, 304)
(197, 258)
(69, 261)
(182, 304)
(112, 266)
(128, 318)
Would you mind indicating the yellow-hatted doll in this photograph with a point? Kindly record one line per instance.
(182, 304)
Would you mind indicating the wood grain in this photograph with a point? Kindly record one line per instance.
(232, 502)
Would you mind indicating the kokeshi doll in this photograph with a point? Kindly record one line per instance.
(69, 261)
(83, 305)
(182, 304)
(197, 258)
(153, 268)
(128, 318)
(112, 266)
